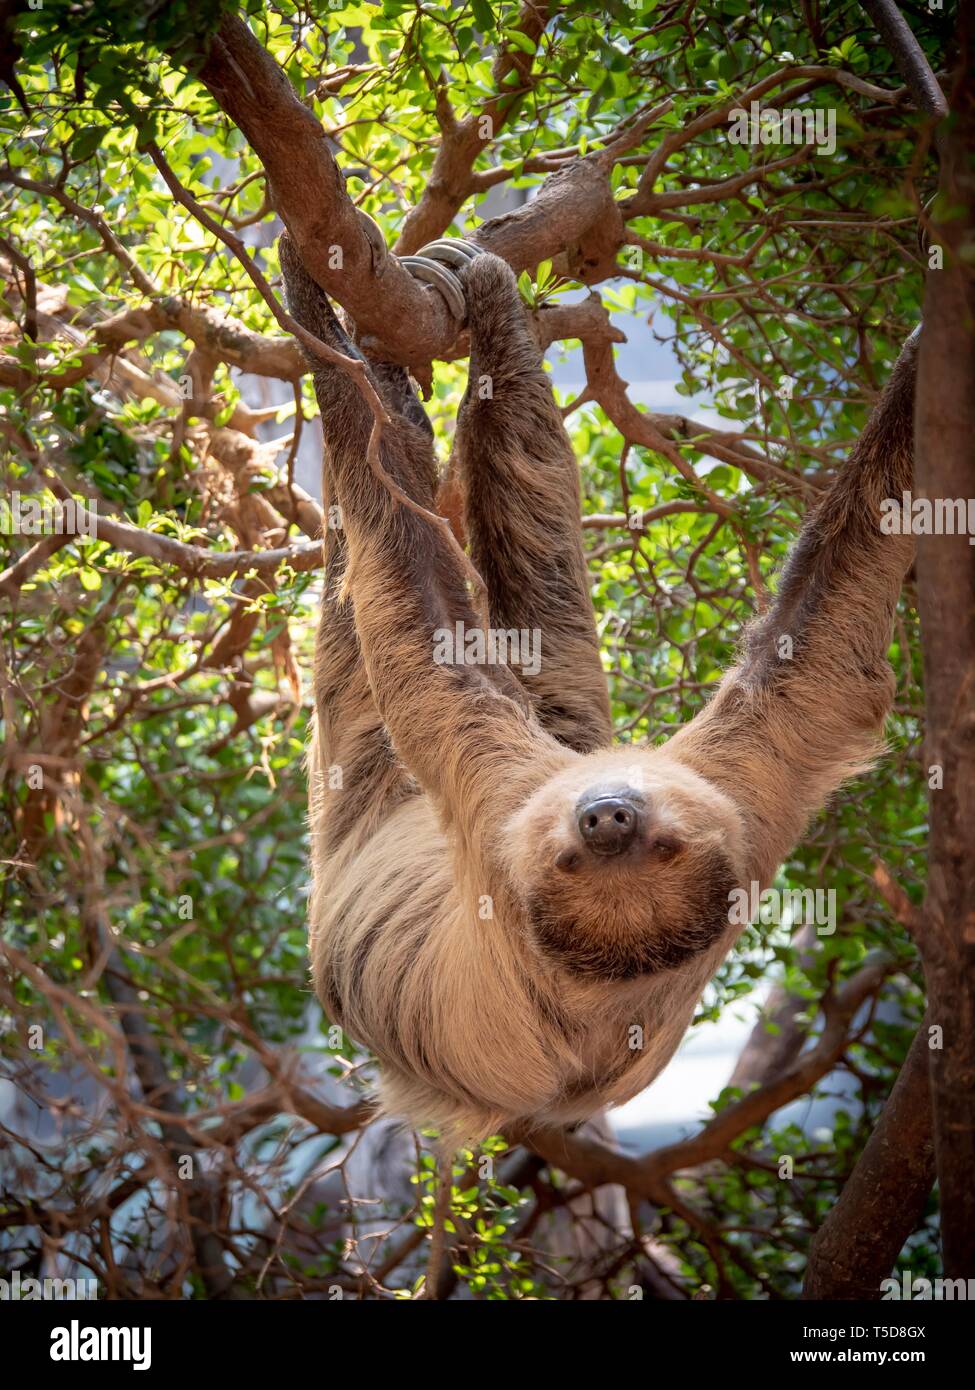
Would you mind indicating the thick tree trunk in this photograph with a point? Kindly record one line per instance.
(945, 432)
(883, 1200)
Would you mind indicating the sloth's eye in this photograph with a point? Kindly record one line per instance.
(665, 847)
(568, 860)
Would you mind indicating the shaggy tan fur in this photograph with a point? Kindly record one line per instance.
(459, 926)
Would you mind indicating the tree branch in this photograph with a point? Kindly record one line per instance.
(883, 1199)
(451, 181)
(945, 468)
(909, 56)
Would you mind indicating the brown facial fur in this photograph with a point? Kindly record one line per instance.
(647, 909)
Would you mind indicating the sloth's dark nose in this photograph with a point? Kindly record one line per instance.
(608, 824)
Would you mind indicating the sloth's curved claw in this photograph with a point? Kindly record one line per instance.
(376, 240)
(923, 226)
(442, 263)
(453, 251)
(431, 272)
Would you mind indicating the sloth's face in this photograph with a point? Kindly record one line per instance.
(624, 863)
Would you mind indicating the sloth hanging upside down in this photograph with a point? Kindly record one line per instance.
(502, 901)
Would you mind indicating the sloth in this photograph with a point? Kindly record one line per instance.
(517, 918)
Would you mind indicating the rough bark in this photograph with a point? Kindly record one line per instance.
(884, 1197)
(945, 430)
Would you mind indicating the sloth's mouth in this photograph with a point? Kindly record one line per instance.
(658, 848)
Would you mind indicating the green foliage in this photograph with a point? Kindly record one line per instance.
(485, 1213)
(169, 796)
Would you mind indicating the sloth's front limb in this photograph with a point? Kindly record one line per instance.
(461, 729)
(355, 779)
(805, 707)
(521, 491)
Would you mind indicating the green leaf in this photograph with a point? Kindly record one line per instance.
(483, 15)
(520, 40)
(87, 141)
